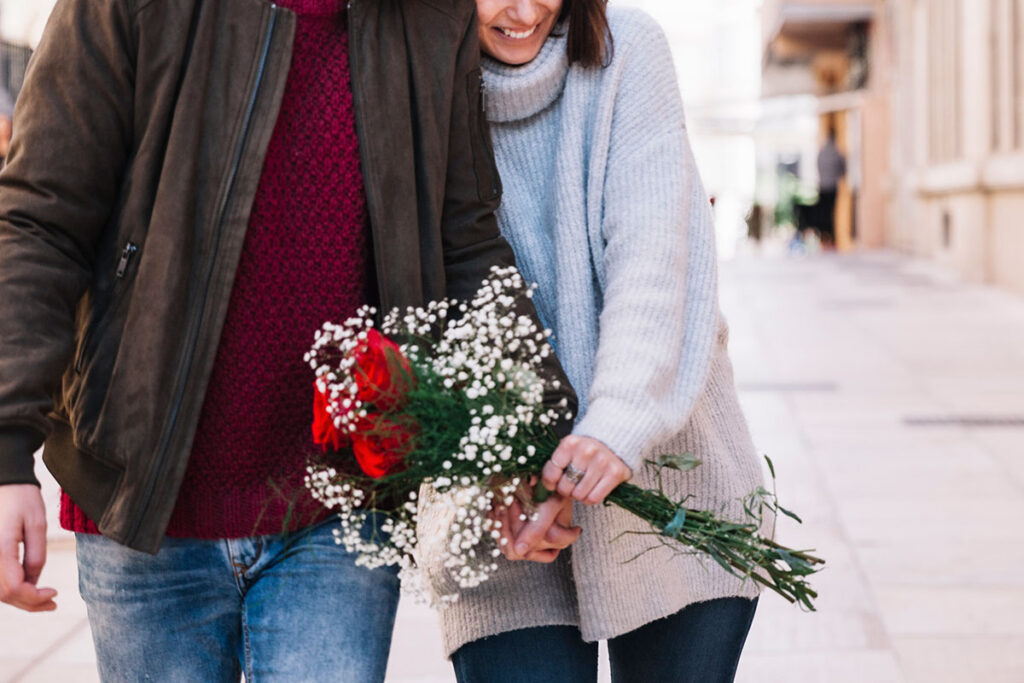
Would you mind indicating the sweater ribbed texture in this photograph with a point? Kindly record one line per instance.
(605, 210)
(304, 261)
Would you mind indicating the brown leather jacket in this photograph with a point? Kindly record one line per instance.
(139, 141)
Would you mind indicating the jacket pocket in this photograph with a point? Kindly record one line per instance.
(488, 182)
(85, 348)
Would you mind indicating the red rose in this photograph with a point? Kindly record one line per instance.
(382, 373)
(383, 448)
(324, 431)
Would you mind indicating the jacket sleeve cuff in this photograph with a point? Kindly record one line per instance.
(18, 446)
(621, 427)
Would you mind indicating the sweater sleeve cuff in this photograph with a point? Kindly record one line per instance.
(17, 455)
(621, 427)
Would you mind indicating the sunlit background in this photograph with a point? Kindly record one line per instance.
(884, 373)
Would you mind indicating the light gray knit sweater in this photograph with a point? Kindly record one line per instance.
(605, 211)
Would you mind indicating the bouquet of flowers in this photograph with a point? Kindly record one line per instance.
(451, 396)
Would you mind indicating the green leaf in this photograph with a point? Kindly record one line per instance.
(683, 463)
(771, 466)
(788, 513)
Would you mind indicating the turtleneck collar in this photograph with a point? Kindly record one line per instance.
(515, 93)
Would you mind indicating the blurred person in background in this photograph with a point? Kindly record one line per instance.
(192, 189)
(831, 169)
(606, 211)
(6, 116)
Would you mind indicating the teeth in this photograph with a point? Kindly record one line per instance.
(519, 35)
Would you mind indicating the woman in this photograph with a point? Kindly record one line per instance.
(604, 209)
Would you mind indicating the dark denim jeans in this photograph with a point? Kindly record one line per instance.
(700, 644)
(292, 607)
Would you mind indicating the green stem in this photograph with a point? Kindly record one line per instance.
(738, 548)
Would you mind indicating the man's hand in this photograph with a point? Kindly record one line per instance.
(539, 537)
(584, 469)
(23, 522)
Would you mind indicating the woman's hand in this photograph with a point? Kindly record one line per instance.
(584, 469)
(539, 537)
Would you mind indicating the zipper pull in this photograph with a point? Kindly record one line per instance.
(126, 256)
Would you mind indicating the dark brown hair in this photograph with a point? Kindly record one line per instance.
(590, 39)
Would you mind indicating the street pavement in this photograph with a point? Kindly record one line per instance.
(891, 398)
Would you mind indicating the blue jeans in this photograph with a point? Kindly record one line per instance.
(700, 644)
(291, 607)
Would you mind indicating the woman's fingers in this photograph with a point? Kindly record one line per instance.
(607, 484)
(580, 465)
(583, 458)
(559, 460)
(593, 474)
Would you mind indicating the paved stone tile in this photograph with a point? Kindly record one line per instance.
(956, 611)
(866, 666)
(961, 660)
(416, 652)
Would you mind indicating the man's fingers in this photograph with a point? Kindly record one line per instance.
(517, 518)
(35, 549)
(530, 537)
(565, 515)
(543, 556)
(32, 599)
(12, 574)
(506, 538)
(14, 589)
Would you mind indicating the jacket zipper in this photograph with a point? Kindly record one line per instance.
(122, 267)
(126, 256)
(193, 337)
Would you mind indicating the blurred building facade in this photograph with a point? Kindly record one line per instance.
(928, 100)
(830, 56)
(21, 25)
(957, 188)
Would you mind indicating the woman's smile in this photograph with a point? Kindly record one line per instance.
(514, 31)
(513, 34)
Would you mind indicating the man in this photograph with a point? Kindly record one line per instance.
(192, 189)
(831, 169)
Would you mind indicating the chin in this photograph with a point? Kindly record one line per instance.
(515, 57)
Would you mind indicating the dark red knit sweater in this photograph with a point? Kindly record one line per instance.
(304, 262)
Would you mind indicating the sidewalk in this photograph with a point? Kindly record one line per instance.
(890, 399)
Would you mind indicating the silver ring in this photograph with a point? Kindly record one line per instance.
(573, 474)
